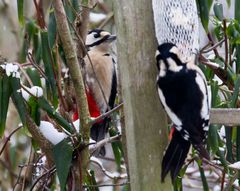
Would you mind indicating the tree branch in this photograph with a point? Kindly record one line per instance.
(76, 76)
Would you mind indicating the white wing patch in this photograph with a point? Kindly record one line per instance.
(205, 106)
(172, 116)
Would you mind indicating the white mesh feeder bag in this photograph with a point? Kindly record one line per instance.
(176, 21)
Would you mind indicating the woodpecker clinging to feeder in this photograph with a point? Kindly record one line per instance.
(182, 89)
(100, 79)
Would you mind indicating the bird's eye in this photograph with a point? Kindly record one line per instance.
(96, 35)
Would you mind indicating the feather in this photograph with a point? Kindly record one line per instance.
(175, 156)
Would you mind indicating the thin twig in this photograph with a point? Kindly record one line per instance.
(104, 142)
(103, 185)
(232, 180)
(51, 171)
(11, 172)
(24, 73)
(107, 173)
(59, 77)
(222, 181)
(213, 47)
(104, 23)
(212, 43)
(7, 139)
(40, 16)
(106, 114)
(32, 61)
(26, 171)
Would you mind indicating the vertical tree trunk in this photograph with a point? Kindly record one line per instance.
(146, 124)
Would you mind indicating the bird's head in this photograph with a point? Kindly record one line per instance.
(98, 38)
(167, 52)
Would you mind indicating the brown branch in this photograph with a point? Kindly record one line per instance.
(104, 142)
(39, 14)
(108, 19)
(76, 75)
(212, 43)
(35, 65)
(43, 143)
(220, 72)
(107, 173)
(103, 185)
(7, 139)
(51, 171)
(26, 174)
(106, 114)
(204, 50)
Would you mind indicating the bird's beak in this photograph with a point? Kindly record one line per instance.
(111, 38)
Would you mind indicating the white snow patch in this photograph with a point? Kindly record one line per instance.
(11, 70)
(222, 132)
(50, 133)
(235, 165)
(217, 188)
(191, 170)
(222, 149)
(97, 17)
(34, 91)
(76, 125)
(236, 183)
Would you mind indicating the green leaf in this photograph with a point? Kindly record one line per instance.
(223, 160)
(229, 3)
(34, 110)
(234, 97)
(69, 12)
(34, 76)
(43, 103)
(237, 12)
(229, 144)
(90, 180)
(5, 93)
(203, 177)
(203, 6)
(210, 4)
(218, 11)
(20, 4)
(49, 69)
(18, 100)
(117, 149)
(213, 138)
(52, 29)
(238, 58)
(62, 155)
(238, 144)
(76, 5)
(85, 2)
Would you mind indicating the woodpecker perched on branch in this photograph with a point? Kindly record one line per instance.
(182, 89)
(100, 79)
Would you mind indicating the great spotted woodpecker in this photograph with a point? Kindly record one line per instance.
(182, 89)
(100, 79)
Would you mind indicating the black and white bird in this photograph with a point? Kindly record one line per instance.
(101, 79)
(182, 89)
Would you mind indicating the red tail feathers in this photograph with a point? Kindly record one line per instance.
(93, 107)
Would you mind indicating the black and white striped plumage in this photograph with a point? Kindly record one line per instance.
(100, 71)
(183, 92)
